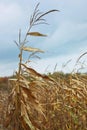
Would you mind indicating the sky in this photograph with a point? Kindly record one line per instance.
(66, 41)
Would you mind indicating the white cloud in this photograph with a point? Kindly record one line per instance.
(48, 64)
(66, 32)
(7, 69)
(9, 13)
(70, 27)
(64, 63)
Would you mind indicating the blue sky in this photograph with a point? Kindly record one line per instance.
(67, 33)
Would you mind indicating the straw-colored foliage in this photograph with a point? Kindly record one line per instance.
(45, 102)
(28, 83)
(69, 109)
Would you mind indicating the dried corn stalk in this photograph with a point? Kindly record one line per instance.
(23, 97)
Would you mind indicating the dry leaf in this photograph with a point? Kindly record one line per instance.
(36, 34)
(30, 49)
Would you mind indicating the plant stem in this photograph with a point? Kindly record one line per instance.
(18, 93)
(20, 61)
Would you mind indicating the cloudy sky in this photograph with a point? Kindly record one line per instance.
(67, 34)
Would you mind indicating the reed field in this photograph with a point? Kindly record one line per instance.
(63, 103)
(34, 101)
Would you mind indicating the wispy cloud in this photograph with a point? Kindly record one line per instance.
(67, 33)
(9, 13)
(63, 63)
(7, 69)
(66, 64)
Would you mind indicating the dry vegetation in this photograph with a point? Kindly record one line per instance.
(43, 102)
(64, 103)
(70, 110)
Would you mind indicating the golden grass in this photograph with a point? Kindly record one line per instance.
(45, 102)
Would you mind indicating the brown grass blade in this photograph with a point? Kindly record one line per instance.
(25, 117)
(47, 13)
(31, 49)
(36, 34)
(35, 73)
